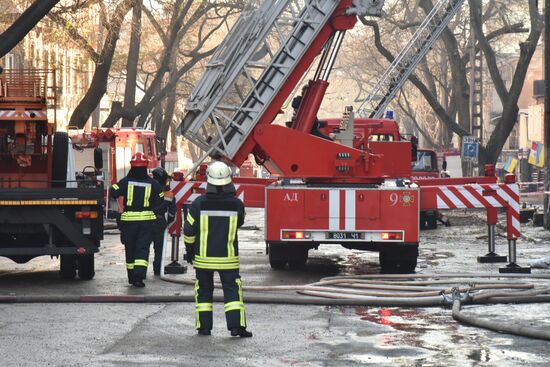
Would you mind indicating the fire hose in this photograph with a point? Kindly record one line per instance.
(391, 290)
(406, 290)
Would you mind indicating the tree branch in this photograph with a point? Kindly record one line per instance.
(24, 24)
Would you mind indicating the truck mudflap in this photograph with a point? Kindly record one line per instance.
(57, 221)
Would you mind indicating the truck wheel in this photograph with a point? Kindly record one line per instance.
(422, 220)
(67, 266)
(431, 220)
(388, 262)
(59, 158)
(277, 256)
(86, 267)
(297, 258)
(401, 260)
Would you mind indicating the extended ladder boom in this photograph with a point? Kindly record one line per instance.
(258, 65)
(404, 64)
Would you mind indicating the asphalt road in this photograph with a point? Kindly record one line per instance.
(163, 334)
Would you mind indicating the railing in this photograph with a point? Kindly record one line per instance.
(27, 85)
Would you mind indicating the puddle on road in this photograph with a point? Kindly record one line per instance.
(421, 337)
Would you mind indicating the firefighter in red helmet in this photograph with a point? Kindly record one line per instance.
(142, 197)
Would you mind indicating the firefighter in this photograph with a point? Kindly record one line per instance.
(211, 243)
(163, 178)
(296, 102)
(142, 196)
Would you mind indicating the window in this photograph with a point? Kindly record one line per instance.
(381, 137)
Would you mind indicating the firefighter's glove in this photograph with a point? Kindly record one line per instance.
(189, 253)
(168, 194)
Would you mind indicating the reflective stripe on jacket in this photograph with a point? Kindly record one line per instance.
(141, 198)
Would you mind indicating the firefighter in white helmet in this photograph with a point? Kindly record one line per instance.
(211, 243)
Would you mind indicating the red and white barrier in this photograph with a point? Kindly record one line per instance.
(476, 196)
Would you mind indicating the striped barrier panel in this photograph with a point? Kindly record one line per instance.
(476, 196)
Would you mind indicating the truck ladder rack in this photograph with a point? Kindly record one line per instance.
(404, 64)
(250, 67)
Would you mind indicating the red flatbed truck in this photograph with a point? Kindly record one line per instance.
(42, 210)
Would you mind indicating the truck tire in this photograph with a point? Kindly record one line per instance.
(277, 256)
(297, 258)
(59, 158)
(431, 220)
(67, 266)
(399, 260)
(86, 266)
(422, 220)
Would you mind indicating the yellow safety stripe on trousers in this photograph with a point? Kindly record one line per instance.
(190, 219)
(197, 318)
(189, 239)
(204, 235)
(141, 262)
(130, 198)
(116, 187)
(231, 306)
(147, 196)
(204, 307)
(137, 216)
(129, 266)
(232, 230)
(240, 287)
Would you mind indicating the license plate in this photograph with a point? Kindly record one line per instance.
(345, 236)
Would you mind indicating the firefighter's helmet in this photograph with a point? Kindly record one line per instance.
(160, 175)
(139, 160)
(218, 174)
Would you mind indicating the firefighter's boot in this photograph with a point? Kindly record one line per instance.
(241, 331)
(130, 276)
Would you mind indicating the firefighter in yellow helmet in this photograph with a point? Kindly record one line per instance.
(211, 243)
(142, 197)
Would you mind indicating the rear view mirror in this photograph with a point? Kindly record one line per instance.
(98, 158)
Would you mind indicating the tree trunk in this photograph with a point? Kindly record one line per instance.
(24, 24)
(132, 63)
(98, 87)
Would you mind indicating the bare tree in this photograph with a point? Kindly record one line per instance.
(202, 21)
(499, 20)
(132, 63)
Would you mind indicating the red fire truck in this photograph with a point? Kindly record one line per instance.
(116, 147)
(356, 192)
(44, 210)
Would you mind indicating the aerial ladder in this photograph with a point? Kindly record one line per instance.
(325, 192)
(404, 64)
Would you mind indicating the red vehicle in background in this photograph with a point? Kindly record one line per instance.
(115, 147)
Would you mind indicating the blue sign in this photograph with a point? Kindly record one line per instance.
(470, 148)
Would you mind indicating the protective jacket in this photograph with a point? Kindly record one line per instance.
(211, 227)
(142, 197)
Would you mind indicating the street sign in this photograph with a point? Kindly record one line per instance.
(470, 148)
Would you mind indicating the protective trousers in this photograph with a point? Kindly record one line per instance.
(136, 237)
(232, 295)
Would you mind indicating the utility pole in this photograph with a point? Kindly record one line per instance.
(546, 110)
